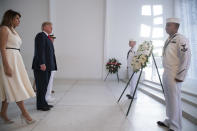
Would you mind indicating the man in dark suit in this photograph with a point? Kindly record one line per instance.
(44, 62)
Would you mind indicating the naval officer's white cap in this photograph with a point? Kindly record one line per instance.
(132, 39)
(173, 20)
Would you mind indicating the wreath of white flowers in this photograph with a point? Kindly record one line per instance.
(140, 59)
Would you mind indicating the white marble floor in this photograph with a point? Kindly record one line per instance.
(91, 106)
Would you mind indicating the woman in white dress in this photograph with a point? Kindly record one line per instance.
(15, 85)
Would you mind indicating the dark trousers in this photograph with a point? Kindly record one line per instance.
(42, 80)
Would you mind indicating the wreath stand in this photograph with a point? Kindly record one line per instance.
(116, 75)
(138, 83)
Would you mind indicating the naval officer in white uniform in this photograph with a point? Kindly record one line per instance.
(48, 95)
(176, 61)
(133, 82)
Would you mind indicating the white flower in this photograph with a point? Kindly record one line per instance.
(141, 58)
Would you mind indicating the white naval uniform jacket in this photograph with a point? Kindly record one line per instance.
(134, 79)
(177, 56)
(130, 56)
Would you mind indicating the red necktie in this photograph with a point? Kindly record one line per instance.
(49, 37)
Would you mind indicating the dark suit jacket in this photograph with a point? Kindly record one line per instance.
(44, 53)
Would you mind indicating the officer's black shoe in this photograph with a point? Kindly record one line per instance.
(129, 96)
(161, 124)
(170, 130)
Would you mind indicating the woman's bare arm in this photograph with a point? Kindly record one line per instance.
(3, 43)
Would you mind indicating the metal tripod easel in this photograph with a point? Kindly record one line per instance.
(138, 83)
(116, 75)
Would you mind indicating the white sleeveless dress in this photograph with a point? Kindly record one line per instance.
(17, 87)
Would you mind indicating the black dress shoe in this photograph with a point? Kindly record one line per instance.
(43, 108)
(170, 130)
(50, 106)
(129, 96)
(161, 124)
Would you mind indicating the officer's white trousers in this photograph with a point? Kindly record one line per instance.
(50, 86)
(133, 81)
(172, 91)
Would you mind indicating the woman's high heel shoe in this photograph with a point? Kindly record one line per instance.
(6, 121)
(27, 121)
